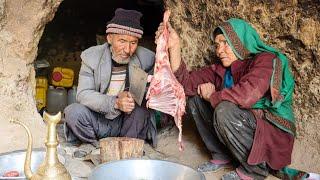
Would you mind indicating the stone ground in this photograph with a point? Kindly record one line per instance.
(167, 149)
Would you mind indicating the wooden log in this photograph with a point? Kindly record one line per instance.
(116, 148)
(109, 149)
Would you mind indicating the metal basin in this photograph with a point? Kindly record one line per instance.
(139, 169)
(14, 161)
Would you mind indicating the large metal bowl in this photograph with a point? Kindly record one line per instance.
(139, 169)
(14, 161)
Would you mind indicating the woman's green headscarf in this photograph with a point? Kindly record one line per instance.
(245, 41)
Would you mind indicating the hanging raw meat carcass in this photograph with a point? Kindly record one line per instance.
(165, 93)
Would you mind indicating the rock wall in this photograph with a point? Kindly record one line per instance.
(21, 25)
(291, 26)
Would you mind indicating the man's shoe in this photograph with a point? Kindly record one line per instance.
(209, 166)
(232, 175)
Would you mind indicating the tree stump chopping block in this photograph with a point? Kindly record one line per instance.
(116, 148)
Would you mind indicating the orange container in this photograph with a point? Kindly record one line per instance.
(62, 77)
(41, 92)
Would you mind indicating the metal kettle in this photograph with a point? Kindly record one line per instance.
(51, 168)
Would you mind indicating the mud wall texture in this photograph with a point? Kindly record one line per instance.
(21, 25)
(291, 26)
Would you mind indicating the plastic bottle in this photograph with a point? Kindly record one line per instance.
(72, 95)
(56, 99)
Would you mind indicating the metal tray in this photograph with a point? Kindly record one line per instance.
(14, 161)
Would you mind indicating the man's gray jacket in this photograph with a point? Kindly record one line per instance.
(95, 76)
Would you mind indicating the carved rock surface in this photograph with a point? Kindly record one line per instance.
(291, 26)
(21, 26)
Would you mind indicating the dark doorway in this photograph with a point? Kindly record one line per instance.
(79, 24)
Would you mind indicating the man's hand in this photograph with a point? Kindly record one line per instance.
(173, 45)
(125, 102)
(205, 90)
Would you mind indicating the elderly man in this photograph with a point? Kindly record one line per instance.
(105, 107)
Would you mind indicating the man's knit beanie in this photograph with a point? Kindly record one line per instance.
(125, 22)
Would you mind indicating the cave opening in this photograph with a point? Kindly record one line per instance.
(78, 25)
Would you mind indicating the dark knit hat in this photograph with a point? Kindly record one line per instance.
(125, 22)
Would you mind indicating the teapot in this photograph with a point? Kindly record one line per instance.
(51, 168)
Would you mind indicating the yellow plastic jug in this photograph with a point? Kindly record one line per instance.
(62, 77)
(41, 92)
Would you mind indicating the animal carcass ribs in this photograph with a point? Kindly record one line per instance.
(165, 93)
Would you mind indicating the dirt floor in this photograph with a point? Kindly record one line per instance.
(195, 152)
(193, 155)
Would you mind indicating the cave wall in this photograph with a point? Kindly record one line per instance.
(293, 26)
(21, 25)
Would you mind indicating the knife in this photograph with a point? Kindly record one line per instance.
(138, 82)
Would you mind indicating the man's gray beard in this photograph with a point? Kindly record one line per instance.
(119, 61)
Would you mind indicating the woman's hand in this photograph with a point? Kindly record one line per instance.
(125, 102)
(205, 90)
(174, 39)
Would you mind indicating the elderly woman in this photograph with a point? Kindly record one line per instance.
(242, 106)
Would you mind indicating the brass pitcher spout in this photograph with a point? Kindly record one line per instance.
(51, 168)
(27, 162)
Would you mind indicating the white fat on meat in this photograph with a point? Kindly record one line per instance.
(165, 93)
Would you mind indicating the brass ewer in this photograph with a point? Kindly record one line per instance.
(51, 168)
